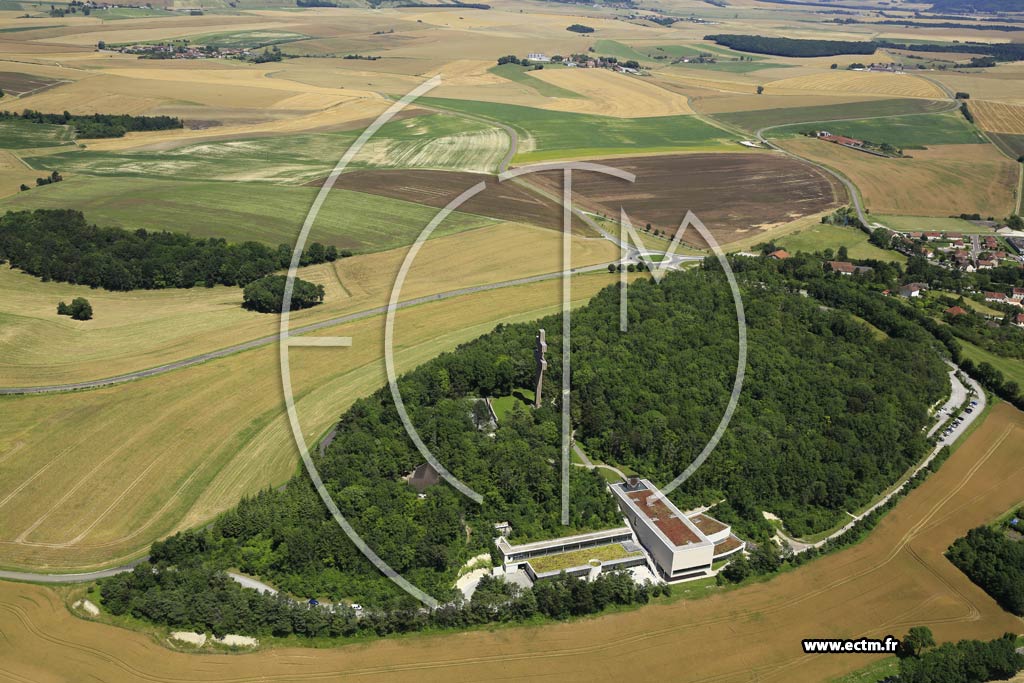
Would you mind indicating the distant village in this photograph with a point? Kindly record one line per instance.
(576, 61)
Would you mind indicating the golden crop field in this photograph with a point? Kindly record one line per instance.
(868, 83)
(89, 479)
(612, 94)
(894, 579)
(998, 117)
(142, 329)
(940, 181)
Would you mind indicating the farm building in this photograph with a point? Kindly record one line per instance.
(680, 547)
(779, 255)
(914, 289)
(846, 268)
(538, 57)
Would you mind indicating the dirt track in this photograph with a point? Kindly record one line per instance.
(895, 579)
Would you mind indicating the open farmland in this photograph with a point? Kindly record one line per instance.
(734, 195)
(553, 135)
(122, 479)
(20, 84)
(522, 75)
(940, 181)
(914, 131)
(611, 94)
(265, 213)
(141, 329)
(505, 200)
(762, 118)
(998, 117)
(894, 579)
(431, 141)
(869, 83)
(17, 134)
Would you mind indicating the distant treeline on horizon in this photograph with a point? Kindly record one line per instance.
(797, 47)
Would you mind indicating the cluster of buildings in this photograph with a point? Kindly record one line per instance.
(968, 253)
(658, 543)
(182, 51)
(584, 62)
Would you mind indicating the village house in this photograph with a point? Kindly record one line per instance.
(846, 268)
(1018, 320)
(911, 290)
(997, 297)
(779, 255)
(954, 311)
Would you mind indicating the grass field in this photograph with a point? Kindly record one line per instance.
(931, 224)
(761, 118)
(433, 141)
(941, 181)
(137, 330)
(894, 579)
(247, 39)
(1012, 369)
(25, 135)
(242, 211)
(120, 478)
(519, 74)
(823, 236)
(579, 558)
(905, 132)
(551, 135)
(504, 405)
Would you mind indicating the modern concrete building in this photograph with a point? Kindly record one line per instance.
(680, 547)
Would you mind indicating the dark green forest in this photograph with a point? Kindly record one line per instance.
(995, 562)
(829, 416)
(98, 125)
(792, 47)
(966, 661)
(60, 245)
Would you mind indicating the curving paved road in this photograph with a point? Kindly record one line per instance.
(847, 183)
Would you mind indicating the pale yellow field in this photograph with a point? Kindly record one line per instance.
(91, 478)
(940, 181)
(611, 94)
(137, 330)
(868, 83)
(998, 117)
(13, 173)
(1004, 83)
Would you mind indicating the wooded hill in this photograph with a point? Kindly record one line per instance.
(830, 415)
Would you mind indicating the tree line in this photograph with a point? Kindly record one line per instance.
(966, 661)
(60, 245)
(201, 599)
(98, 125)
(993, 561)
(793, 47)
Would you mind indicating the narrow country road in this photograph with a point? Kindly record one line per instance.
(847, 183)
(979, 396)
(269, 339)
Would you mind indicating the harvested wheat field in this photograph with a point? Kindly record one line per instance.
(940, 181)
(997, 117)
(868, 83)
(141, 460)
(611, 94)
(734, 195)
(895, 579)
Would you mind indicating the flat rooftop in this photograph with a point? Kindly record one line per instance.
(670, 522)
(592, 537)
(707, 525)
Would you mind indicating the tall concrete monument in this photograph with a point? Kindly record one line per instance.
(539, 351)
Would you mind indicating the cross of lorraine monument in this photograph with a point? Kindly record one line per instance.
(539, 352)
